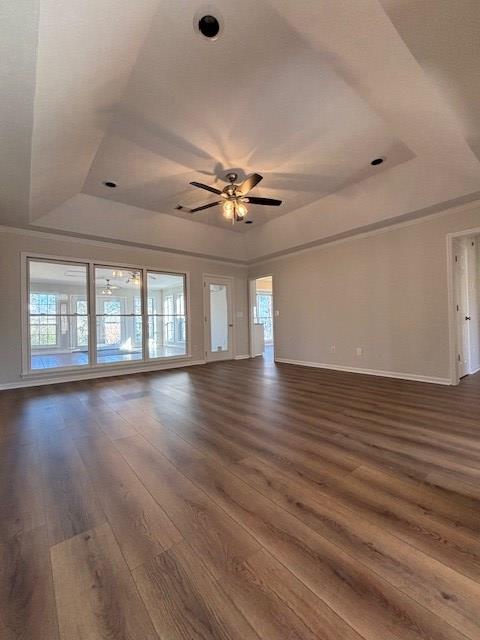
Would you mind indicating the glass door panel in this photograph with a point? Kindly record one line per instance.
(218, 318)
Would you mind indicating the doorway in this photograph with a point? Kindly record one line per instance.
(218, 318)
(262, 340)
(466, 298)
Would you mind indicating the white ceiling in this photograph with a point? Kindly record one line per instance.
(268, 104)
(304, 93)
(444, 38)
(57, 273)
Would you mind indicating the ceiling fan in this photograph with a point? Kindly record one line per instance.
(133, 277)
(108, 289)
(234, 197)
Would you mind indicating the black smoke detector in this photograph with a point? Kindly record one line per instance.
(209, 26)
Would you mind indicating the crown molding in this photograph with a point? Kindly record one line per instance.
(58, 234)
(457, 205)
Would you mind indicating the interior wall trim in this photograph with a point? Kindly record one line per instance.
(242, 357)
(465, 203)
(374, 229)
(369, 372)
(59, 234)
(34, 381)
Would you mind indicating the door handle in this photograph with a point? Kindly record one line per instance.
(468, 318)
(231, 325)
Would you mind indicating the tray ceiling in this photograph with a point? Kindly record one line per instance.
(306, 94)
(269, 104)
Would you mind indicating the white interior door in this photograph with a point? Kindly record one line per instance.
(218, 318)
(462, 308)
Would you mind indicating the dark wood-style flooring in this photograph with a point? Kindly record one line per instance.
(240, 500)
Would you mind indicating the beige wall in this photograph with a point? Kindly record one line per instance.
(385, 293)
(12, 244)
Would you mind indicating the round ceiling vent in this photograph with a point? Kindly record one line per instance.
(208, 23)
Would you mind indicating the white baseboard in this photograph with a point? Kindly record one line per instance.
(369, 372)
(41, 380)
(242, 357)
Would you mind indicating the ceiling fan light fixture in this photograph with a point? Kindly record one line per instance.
(107, 290)
(228, 209)
(134, 277)
(241, 210)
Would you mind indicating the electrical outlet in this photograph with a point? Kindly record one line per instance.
(359, 351)
(277, 313)
(332, 348)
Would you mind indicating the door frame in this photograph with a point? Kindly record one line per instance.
(206, 307)
(251, 304)
(452, 313)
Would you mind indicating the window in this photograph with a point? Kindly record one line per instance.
(43, 319)
(111, 328)
(166, 327)
(82, 323)
(139, 318)
(57, 322)
(127, 309)
(118, 314)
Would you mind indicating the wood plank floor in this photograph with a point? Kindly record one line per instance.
(240, 500)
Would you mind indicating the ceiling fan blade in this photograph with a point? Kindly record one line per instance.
(250, 182)
(207, 187)
(271, 201)
(201, 208)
